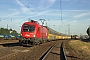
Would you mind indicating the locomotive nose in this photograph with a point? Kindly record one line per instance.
(27, 35)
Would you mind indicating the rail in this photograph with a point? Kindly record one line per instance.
(62, 52)
(47, 52)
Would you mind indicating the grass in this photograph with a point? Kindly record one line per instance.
(81, 48)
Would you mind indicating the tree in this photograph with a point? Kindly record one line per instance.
(88, 32)
(7, 31)
(14, 32)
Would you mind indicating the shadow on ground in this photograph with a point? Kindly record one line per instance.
(85, 40)
(11, 44)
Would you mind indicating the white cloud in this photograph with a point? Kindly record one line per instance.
(69, 13)
(65, 0)
(52, 1)
(44, 12)
(23, 7)
(15, 13)
(44, 4)
(41, 5)
(76, 10)
(11, 15)
(82, 15)
(87, 20)
(75, 21)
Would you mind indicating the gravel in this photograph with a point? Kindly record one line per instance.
(15, 51)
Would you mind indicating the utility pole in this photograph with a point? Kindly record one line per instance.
(42, 20)
(48, 22)
(59, 28)
(68, 29)
(7, 26)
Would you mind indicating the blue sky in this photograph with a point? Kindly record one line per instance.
(76, 13)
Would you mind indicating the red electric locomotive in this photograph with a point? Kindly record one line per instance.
(33, 33)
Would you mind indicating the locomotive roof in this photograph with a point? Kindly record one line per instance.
(53, 31)
(32, 21)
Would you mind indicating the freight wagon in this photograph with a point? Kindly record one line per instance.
(9, 37)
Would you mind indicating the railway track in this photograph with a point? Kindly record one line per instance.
(19, 52)
(62, 52)
(46, 51)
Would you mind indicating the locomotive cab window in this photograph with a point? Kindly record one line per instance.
(29, 28)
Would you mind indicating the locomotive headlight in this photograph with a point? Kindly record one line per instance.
(34, 35)
(21, 34)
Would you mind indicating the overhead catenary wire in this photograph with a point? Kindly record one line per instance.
(30, 9)
(61, 8)
(61, 11)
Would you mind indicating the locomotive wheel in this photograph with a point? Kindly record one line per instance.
(20, 41)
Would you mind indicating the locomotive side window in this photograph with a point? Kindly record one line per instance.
(39, 29)
(28, 28)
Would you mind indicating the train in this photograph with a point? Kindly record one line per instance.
(33, 33)
(9, 37)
